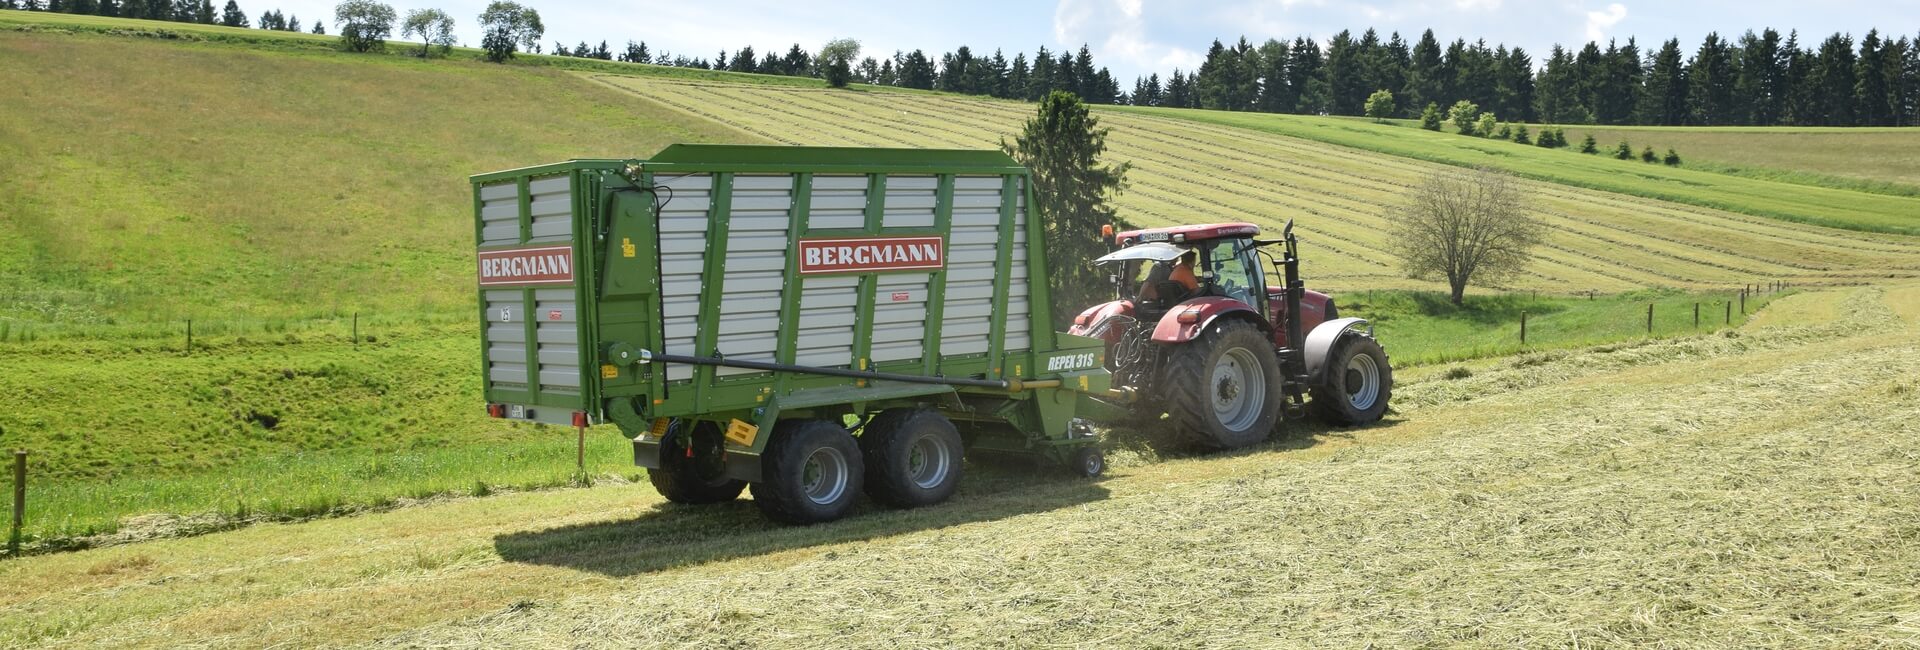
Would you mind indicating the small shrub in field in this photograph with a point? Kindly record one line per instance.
(1623, 151)
(1505, 132)
(1430, 118)
(1485, 125)
(1672, 159)
(1520, 135)
(1589, 146)
(1464, 114)
(1647, 155)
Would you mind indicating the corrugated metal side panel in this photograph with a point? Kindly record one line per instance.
(557, 332)
(683, 245)
(506, 339)
(551, 204)
(899, 317)
(910, 201)
(972, 247)
(756, 265)
(500, 214)
(838, 201)
(828, 309)
(1019, 334)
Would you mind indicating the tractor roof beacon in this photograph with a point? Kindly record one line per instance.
(817, 323)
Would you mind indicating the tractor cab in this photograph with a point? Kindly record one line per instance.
(1182, 263)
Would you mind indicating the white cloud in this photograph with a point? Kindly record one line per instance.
(1599, 21)
(1116, 31)
(1477, 5)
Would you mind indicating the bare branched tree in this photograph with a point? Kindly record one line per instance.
(1465, 225)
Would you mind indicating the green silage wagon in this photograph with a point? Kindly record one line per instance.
(812, 322)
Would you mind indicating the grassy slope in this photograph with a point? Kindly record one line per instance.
(1876, 159)
(268, 184)
(1750, 490)
(1187, 170)
(1801, 203)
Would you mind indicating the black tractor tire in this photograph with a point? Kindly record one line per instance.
(1343, 396)
(1087, 462)
(810, 473)
(701, 479)
(913, 457)
(1195, 395)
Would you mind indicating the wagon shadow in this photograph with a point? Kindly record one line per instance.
(671, 535)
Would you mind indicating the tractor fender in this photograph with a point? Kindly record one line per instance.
(1093, 321)
(1320, 343)
(1187, 321)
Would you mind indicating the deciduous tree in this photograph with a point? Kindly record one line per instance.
(1464, 226)
(508, 26)
(364, 24)
(432, 26)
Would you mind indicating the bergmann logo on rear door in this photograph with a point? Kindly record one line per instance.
(526, 266)
(858, 254)
(1071, 362)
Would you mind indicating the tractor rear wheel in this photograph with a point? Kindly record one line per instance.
(912, 456)
(1355, 383)
(699, 477)
(1223, 388)
(810, 473)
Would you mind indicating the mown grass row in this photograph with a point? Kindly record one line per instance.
(1339, 193)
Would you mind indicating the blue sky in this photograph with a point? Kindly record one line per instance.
(1136, 37)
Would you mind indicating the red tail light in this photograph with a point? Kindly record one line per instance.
(497, 410)
(579, 419)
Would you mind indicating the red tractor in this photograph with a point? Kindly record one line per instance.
(1202, 335)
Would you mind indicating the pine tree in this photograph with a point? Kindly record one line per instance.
(232, 16)
(1877, 78)
(1424, 73)
(1836, 81)
(1619, 84)
(1019, 79)
(1802, 98)
(1557, 91)
(1520, 135)
(1624, 151)
(1306, 72)
(1759, 82)
(1647, 155)
(1589, 146)
(1395, 62)
(1430, 117)
(1063, 145)
(1043, 81)
(1664, 101)
(1344, 79)
(1276, 95)
(1514, 84)
(1179, 91)
(1710, 83)
(1672, 159)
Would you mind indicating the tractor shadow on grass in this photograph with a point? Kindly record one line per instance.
(671, 535)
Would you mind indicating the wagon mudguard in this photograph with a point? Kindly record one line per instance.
(1183, 323)
(1320, 343)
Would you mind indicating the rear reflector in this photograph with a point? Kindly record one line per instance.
(1189, 317)
(579, 419)
(497, 410)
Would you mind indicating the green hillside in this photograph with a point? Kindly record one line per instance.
(157, 181)
(1876, 159)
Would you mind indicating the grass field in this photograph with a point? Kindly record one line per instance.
(1839, 208)
(1885, 160)
(1190, 170)
(268, 185)
(1752, 489)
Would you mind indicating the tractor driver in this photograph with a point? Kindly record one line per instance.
(1171, 282)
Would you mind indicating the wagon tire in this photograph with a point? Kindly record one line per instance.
(701, 479)
(810, 473)
(1223, 387)
(1356, 383)
(913, 457)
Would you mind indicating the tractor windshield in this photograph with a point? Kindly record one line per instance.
(1235, 266)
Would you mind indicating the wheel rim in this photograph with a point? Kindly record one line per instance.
(823, 478)
(1093, 464)
(1239, 389)
(928, 462)
(1363, 381)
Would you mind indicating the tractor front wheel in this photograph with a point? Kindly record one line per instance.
(1355, 383)
(1223, 387)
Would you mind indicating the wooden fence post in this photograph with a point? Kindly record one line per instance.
(1523, 328)
(1696, 315)
(1729, 312)
(189, 336)
(356, 329)
(1649, 318)
(1743, 302)
(19, 500)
